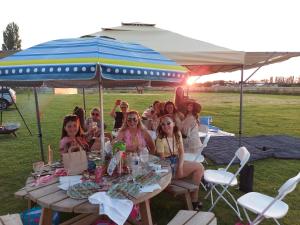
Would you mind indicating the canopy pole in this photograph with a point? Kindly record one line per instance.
(1, 110)
(39, 123)
(241, 106)
(100, 89)
(84, 105)
(20, 113)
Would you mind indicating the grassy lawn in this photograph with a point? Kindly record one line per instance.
(263, 114)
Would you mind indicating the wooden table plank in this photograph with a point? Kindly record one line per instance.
(87, 208)
(21, 193)
(11, 219)
(43, 191)
(48, 200)
(66, 205)
(29, 188)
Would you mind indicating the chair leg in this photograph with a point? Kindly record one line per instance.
(209, 192)
(203, 186)
(220, 195)
(247, 216)
(188, 200)
(276, 221)
(233, 199)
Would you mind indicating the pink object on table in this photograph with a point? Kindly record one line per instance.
(60, 172)
(43, 180)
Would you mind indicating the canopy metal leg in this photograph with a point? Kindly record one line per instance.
(20, 114)
(100, 88)
(39, 124)
(84, 105)
(241, 107)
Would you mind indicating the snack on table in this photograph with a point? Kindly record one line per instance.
(83, 190)
(147, 179)
(124, 190)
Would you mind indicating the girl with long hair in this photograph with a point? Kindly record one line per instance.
(190, 127)
(134, 135)
(72, 135)
(171, 109)
(169, 146)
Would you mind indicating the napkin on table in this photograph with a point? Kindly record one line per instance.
(117, 210)
(67, 181)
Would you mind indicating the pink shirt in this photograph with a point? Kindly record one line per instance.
(66, 142)
(134, 142)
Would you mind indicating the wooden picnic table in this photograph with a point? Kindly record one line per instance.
(51, 198)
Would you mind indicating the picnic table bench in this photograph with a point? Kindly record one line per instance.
(182, 188)
(187, 217)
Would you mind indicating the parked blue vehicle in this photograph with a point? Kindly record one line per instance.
(7, 97)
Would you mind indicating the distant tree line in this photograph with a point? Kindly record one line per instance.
(280, 81)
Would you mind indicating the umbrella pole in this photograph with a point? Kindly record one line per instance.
(100, 89)
(1, 111)
(84, 105)
(39, 123)
(241, 107)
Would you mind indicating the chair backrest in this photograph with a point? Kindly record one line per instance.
(243, 155)
(288, 186)
(206, 140)
(204, 144)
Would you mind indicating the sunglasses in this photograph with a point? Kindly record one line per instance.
(95, 114)
(132, 119)
(166, 124)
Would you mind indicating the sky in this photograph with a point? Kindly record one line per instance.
(244, 25)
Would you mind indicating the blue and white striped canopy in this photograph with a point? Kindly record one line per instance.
(77, 59)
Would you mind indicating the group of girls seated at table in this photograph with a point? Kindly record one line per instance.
(176, 133)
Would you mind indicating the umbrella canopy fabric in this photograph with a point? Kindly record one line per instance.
(199, 57)
(74, 61)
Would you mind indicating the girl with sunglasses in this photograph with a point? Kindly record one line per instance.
(134, 135)
(169, 145)
(94, 122)
(72, 135)
(170, 108)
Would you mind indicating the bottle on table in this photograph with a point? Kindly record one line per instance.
(135, 165)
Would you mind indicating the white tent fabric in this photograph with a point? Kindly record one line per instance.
(199, 57)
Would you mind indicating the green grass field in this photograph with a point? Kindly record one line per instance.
(263, 114)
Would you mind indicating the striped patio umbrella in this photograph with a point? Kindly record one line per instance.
(84, 62)
(75, 61)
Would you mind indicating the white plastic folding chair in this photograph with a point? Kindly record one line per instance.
(224, 179)
(198, 157)
(268, 207)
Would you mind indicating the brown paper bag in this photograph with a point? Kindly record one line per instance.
(75, 162)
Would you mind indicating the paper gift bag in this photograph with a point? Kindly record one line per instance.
(75, 162)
